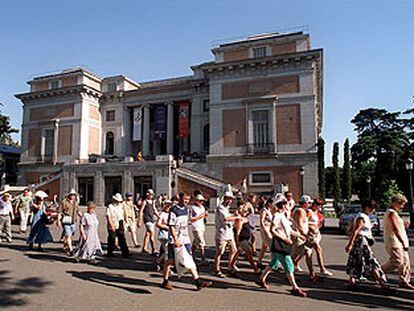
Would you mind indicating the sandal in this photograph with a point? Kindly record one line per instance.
(298, 292)
(262, 284)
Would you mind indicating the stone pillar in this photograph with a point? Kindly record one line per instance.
(99, 188)
(170, 128)
(55, 141)
(146, 133)
(127, 182)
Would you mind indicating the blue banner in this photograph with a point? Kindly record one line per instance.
(160, 117)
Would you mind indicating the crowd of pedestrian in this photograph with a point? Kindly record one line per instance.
(289, 231)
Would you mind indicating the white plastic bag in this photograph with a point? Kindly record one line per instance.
(183, 260)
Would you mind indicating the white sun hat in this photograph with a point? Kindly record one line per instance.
(72, 191)
(229, 194)
(200, 197)
(41, 194)
(117, 197)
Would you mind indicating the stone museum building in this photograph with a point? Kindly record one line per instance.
(251, 118)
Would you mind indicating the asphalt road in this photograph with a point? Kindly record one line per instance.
(49, 280)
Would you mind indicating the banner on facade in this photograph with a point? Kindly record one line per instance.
(183, 119)
(137, 127)
(160, 114)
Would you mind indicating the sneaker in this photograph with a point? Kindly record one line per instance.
(262, 284)
(219, 274)
(204, 285)
(167, 285)
(298, 292)
(326, 273)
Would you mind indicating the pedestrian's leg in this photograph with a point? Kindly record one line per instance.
(261, 253)
(217, 257)
(145, 242)
(122, 243)
(111, 243)
(235, 258)
(392, 263)
(265, 273)
(152, 240)
(7, 229)
(251, 261)
(134, 235)
(309, 263)
(23, 220)
(202, 253)
(233, 251)
(319, 256)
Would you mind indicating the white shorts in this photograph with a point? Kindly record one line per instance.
(150, 226)
(198, 238)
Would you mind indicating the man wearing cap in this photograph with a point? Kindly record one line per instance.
(68, 214)
(23, 206)
(224, 233)
(301, 224)
(147, 214)
(130, 221)
(115, 217)
(198, 215)
(6, 216)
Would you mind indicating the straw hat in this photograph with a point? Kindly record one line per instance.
(41, 194)
(117, 197)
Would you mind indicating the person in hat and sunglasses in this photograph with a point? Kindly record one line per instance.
(130, 220)
(115, 217)
(6, 216)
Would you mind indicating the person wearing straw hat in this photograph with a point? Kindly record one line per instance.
(39, 232)
(224, 233)
(6, 216)
(130, 219)
(147, 215)
(115, 217)
(198, 215)
(68, 214)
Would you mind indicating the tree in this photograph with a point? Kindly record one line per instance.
(321, 168)
(336, 176)
(346, 174)
(5, 132)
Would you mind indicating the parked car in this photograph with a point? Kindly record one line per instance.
(348, 215)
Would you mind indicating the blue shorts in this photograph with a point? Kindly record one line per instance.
(69, 230)
(284, 260)
(171, 250)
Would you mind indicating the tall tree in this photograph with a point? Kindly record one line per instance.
(6, 129)
(321, 168)
(346, 173)
(337, 182)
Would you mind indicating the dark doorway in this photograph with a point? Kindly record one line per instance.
(85, 185)
(113, 185)
(142, 184)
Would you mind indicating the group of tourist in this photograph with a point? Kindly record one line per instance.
(290, 232)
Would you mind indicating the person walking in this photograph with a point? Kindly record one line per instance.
(163, 236)
(6, 216)
(396, 242)
(39, 232)
(130, 219)
(224, 233)
(178, 230)
(24, 202)
(361, 260)
(290, 204)
(147, 214)
(68, 214)
(266, 217)
(282, 234)
(198, 216)
(115, 217)
(251, 205)
(89, 244)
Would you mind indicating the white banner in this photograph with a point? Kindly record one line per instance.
(137, 132)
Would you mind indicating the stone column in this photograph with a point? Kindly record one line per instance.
(127, 182)
(170, 128)
(55, 141)
(99, 188)
(146, 133)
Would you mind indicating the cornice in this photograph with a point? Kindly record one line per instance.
(81, 88)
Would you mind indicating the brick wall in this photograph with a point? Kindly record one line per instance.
(260, 87)
(234, 127)
(51, 112)
(190, 186)
(235, 54)
(283, 48)
(34, 141)
(93, 140)
(40, 86)
(288, 125)
(94, 113)
(65, 140)
(32, 178)
(69, 81)
(53, 188)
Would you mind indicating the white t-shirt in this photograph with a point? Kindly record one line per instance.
(366, 229)
(179, 219)
(224, 229)
(116, 213)
(282, 225)
(198, 225)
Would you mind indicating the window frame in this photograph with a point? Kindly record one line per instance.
(112, 84)
(252, 183)
(59, 84)
(108, 113)
(259, 48)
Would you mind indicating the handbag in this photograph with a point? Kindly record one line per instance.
(67, 220)
(279, 246)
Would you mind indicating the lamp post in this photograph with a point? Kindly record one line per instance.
(409, 166)
(302, 173)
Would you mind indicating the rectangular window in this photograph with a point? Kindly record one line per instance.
(49, 142)
(261, 179)
(259, 52)
(206, 105)
(54, 84)
(260, 128)
(110, 116)
(112, 87)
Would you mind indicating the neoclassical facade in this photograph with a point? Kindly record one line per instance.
(250, 118)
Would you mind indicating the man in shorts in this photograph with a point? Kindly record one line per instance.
(224, 233)
(130, 221)
(147, 214)
(178, 221)
(198, 215)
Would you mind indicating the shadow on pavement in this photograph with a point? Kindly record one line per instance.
(10, 290)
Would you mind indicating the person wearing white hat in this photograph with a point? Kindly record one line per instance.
(115, 217)
(6, 216)
(68, 215)
(198, 215)
(163, 238)
(224, 233)
(147, 215)
(24, 203)
(39, 232)
(300, 247)
(266, 217)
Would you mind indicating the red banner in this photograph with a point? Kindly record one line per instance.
(183, 119)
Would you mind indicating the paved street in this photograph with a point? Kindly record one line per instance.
(31, 280)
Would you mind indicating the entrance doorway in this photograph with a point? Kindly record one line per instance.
(113, 184)
(141, 185)
(85, 185)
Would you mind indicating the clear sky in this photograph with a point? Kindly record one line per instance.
(368, 45)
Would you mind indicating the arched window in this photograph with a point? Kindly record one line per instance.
(109, 143)
(206, 137)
